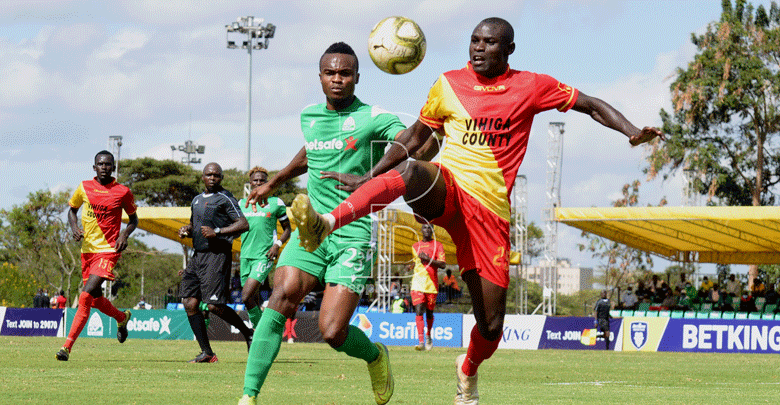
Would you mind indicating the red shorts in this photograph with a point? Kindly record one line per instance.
(419, 297)
(99, 264)
(481, 237)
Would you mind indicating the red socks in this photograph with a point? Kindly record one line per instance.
(80, 320)
(418, 319)
(105, 306)
(480, 349)
(372, 196)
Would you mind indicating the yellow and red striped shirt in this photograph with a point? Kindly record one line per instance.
(426, 277)
(102, 213)
(487, 123)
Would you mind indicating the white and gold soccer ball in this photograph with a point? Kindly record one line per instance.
(396, 45)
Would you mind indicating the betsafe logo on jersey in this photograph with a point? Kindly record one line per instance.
(333, 144)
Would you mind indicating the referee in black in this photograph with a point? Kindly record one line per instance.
(215, 221)
(602, 316)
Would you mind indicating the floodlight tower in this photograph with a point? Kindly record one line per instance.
(254, 31)
(549, 270)
(520, 241)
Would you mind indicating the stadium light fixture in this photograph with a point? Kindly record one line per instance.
(257, 37)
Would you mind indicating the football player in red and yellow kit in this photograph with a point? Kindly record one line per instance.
(485, 112)
(103, 200)
(428, 256)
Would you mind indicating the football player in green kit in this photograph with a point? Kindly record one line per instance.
(343, 134)
(258, 248)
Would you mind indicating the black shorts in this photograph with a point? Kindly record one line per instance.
(603, 325)
(207, 277)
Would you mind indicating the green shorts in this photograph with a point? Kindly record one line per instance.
(257, 269)
(337, 260)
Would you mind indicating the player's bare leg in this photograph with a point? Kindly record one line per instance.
(489, 303)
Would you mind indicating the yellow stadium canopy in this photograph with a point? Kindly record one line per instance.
(166, 221)
(728, 235)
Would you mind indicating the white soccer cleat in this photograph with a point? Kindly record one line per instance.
(467, 386)
(428, 343)
(312, 227)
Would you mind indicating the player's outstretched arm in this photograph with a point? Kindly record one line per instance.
(297, 166)
(608, 116)
(407, 143)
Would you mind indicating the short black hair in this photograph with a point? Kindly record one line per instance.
(509, 32)
(342, 48)
(104, 152)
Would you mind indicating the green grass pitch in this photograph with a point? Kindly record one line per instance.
(101, 371)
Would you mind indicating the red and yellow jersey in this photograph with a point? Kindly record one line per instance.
(101, 216)
(426, 277)
(486, 124)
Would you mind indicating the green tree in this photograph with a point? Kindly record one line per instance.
(726, 110)
(623, 265)
(145, 271)
(39, 242)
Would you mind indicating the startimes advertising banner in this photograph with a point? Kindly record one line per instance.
(702, 335)
(401, 329)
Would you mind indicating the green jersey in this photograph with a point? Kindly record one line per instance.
(352, 141)
(262, 224)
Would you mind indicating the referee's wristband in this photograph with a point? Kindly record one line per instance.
(278, 243)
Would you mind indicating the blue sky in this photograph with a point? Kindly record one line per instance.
(158, 73)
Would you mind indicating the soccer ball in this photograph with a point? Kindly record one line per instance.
(396, 45)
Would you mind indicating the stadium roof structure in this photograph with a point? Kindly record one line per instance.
(726, 235)
(166, 221)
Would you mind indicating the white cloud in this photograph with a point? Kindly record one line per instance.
(121, 43)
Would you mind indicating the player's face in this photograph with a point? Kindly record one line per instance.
(212, 177)
(427, 232)
(258, 179)
(104, 167)
(338, 76)
(489, 55)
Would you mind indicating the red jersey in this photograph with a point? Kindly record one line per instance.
(102, 213)
(426, 277)
(487, 123)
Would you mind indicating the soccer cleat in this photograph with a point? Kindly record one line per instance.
(121, 328)
(420, 347)
(381, 376)
(428, 343)
(247, 400)
(467, 386)
(312, 227)
(63, 354)
(204, 358)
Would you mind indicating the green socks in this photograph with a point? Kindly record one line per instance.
(254, 316)
(265, 346)
(358, 345)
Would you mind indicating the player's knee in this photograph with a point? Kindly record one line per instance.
(283, 303)
(492, 330)
(332, 335)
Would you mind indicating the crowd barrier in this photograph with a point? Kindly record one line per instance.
(525, 332)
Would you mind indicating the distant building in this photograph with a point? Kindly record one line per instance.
(570, 279)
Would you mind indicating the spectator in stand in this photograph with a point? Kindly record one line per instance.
(683, 301)
(451, 286)
(681, 282)
(142, 304)
(714, 296)
(733, 286)
(629, 299)
(655, 289)
(38, 300)
(61, 301)
(692, 294)
(642, 293)
(669, 301)
(747, 303)
(771, 295)
(758, 289)
(706, 285)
